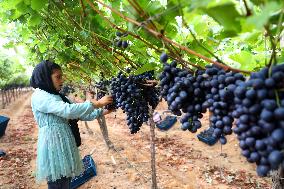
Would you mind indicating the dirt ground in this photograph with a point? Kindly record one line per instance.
(182, 161)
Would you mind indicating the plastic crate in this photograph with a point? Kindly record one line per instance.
(3, 124)
(2, 153)
(87, 174)
(206, 137)
(167, 123)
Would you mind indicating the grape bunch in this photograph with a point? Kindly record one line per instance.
(220, 86)
(260, 118)
(133, 98)
(150, 93)
(102, 87)
(183, 92)
(119, 42)
(67, 89)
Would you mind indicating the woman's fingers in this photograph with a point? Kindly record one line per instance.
(109, 99)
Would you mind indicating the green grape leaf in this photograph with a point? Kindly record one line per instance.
(246, 26)
(23, 8)
(280, 59)
(9, 45)
(145, 68)
(27, 2)
(9, 4)
(246, 59)
(38, 4)
(15, 14)
(259, 20)
(84, 34)
(261, 2)
(226, 15)
(42, 47)
(252, 37)
(34, 20)
(196, 4)
(258, 2)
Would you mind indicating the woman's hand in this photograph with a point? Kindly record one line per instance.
(103, 101)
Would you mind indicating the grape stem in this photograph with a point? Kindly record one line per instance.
(277, 98)
(149, 83)
(152, 81)
(100, 90)
(83, 8)
(271, 62)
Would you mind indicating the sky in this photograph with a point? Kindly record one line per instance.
(16, 54)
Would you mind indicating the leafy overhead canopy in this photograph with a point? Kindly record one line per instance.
(81, 35)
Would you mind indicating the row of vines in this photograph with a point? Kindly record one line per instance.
(13, 81)
(222, 56)
(10, 95)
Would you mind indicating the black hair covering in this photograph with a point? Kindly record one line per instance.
(41, 78)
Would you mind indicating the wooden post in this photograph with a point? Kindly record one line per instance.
(103, 127)
(3, 100)
(9, 99)
(6, 97)
(13, 92)
(278, 179)
(153, 150)
(11, 95)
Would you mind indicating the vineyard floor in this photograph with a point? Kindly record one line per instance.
(182, 161)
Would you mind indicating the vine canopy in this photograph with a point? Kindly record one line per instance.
(84, 36)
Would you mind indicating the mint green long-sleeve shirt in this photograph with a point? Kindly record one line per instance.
(57, 153)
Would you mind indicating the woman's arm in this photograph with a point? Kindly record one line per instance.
(47, 103)
(105, 100)
(53, 105)
(97, 112)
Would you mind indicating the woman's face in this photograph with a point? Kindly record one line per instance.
(57, 79)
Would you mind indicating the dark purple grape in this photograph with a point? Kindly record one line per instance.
(164, 57)
(119, 43)
(262, 170)
(275, 158)
(119, 34)
(124, 44)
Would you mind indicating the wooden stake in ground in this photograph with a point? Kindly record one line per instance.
(278, 179)
(103, 127)
(104, 131)
(153, 151)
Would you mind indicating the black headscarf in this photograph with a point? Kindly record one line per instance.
(41, 78)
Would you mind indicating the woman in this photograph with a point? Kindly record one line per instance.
(58, 158)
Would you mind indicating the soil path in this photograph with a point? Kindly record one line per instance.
(18, 143)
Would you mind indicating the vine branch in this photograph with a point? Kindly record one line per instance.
(247, 8)
(273, 46)
(83, 8)
(164, 38)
